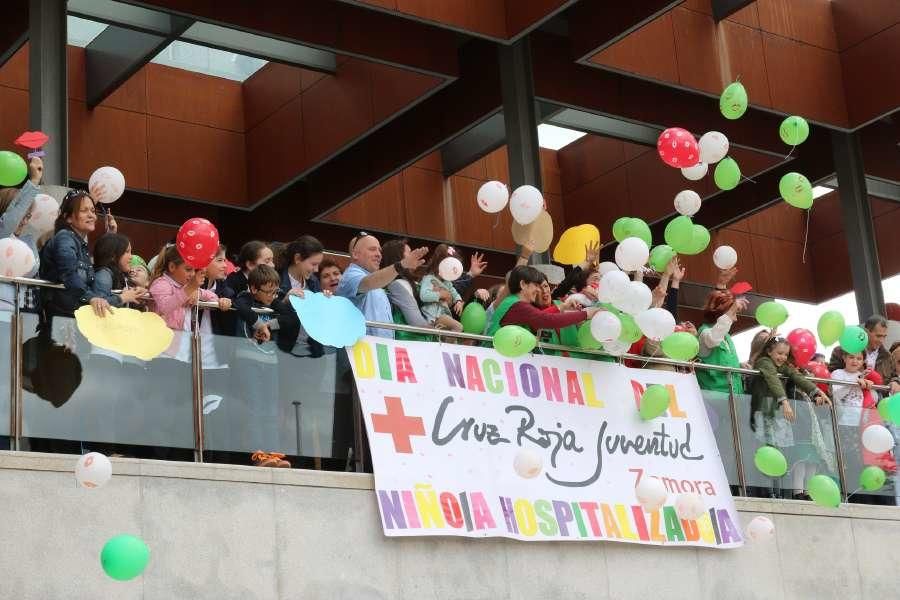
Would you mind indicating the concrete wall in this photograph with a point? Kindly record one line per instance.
(223, 532)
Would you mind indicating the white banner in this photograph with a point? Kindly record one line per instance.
(467, 442)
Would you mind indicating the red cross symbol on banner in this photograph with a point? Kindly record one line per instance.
(396, 423)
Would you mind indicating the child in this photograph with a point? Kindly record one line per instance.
(437, 294)
(772, 415)
(256, 361)
(138, 272)
(848, 401)
(112, 261)
(252, 254)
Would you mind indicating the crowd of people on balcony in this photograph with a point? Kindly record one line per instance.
(393, 283)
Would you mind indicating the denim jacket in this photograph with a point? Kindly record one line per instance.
(65, 259)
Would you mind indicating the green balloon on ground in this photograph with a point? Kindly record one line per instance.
(473, 318)
(660, 257)
(124, 557)
(796, 190)
(630, 330)
(831, 326)
(728, 174)
(619, 228)
(699, 241)
(794, 130)
(871, 478)
(13, 169)
(854, 339)
(771, 314)
(585, 339)
(638, 228)
(770, 461)
(679, 233)
(681, 346)
(654, 402)
(513, 341)
(824, 491)
(733, 101)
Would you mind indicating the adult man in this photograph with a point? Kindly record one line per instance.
(363, 282)
(877, 356)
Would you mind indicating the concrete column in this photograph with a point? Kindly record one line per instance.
(48, 85)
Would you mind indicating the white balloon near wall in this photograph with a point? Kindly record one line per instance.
(492, 196)
(528, 464)
(93, 470)
(636, 298)
(612, 285)
(16, 258)
(632, 253)
(655, 323)
(687, 202)
(725, 257)
(651, 494)
(106, 185)
(607, 266)
(44, 211)
(605, 326)
(760, 530)
(525, 204)
(689, 506)
(713, 147)
(877, 439)
(697, 172)
(450, 268)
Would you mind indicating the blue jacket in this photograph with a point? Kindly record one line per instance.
(65, 259)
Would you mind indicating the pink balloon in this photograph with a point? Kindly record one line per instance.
(678, 148)
(803, 346)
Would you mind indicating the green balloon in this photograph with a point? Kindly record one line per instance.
(473, 318)
(679, 233)
(638, 228)
(796, 190)
(585, 339)
(12, 169)
(681, 346)
(630, 330)
(824, 491)
(771, 314)
(884, 407)
(733, 101)
(124, 557)
(654, 402)
(513, 341)
(699, 241)
(854, 339)
(660, 257)
(831, 326)
(871, 478)
(794, 130)
(728, 174)
(619, 228)
(893, 409)
(770, 461)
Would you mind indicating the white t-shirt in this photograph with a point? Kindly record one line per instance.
(871, 358)
(848, 399)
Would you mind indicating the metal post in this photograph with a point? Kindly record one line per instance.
(48, 85)
(839, 453)
(736, 437)
(858, 227)
(297, 404)
(197, 383)
(15, 378)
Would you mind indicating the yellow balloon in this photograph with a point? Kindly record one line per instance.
(570, 247)
(126, 331)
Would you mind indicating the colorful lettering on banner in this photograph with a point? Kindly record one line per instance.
(466, 442)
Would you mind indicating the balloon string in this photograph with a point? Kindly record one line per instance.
(806, 234)
(496, 221)
(789, 154)
(744, 177)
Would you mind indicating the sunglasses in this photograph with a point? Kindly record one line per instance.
(356, 239)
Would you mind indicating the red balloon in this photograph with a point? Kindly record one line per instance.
(197, 242)
(803, 346)
(678, 148)
(821, 371)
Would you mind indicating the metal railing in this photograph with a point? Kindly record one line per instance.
(197, 380)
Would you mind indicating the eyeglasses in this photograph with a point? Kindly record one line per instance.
(356, 239)
(268, 292)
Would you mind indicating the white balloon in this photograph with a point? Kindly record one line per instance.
(725, 257)
(16, 258)
(697, 172)
(689, 506)
(877, 439)
(687, 202)
(606, 266)
(528, 464)
(760, 530)
(92, 470)
(616, 347)
(605, 326)
(612, 285)
(636, 298)
(655, 323)
(492, 196)
(632, 253)
(525, 204)
(450, 268)
(106, 184)
(580, 299)
(44, 211)
(713, 147)
(555, 273)
(651, 494)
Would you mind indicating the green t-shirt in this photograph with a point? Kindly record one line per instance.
(723, 355)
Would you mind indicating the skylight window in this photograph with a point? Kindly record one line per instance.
(208, 61)
(554, 138)
(82, 32)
